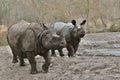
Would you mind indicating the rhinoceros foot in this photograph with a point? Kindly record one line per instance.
(34, 71)
(71, 55)
(62, 55)
(53, 55)
(14, 61)
(45, 68)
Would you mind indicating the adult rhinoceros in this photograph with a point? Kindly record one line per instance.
(73, 33)
(27, 40)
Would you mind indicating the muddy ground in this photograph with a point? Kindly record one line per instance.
(96, 59)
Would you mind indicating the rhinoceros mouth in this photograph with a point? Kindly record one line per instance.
(82, 35)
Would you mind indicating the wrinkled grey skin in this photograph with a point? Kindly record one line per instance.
(73, 33)
(28, 40)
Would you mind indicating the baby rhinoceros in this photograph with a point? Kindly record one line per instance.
(27, 40)
(72, 32)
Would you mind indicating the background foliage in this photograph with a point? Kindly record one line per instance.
(101, 15)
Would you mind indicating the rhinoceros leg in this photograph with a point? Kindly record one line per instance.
(14, 52)
(53, 53)
(61, 52)
(45, 66)
(14, 57)
(31, 58)
(70, 50)
(75, 46)
(22, 63)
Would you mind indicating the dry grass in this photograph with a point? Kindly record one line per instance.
(3, 33)
(98, 13)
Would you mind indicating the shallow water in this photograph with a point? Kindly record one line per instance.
(113, 52)
(100, 44)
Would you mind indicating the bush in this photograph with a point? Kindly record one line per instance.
(115, 27)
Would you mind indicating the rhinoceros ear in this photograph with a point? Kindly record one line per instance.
(83, 22)
(45, 26)
(73, 22)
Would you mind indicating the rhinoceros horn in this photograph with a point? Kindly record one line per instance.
(45, 26)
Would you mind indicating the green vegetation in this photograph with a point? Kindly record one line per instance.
(115, 27)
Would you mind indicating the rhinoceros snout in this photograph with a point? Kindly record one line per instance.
(82, 34)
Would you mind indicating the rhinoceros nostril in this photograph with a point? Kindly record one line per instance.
(83, 32)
